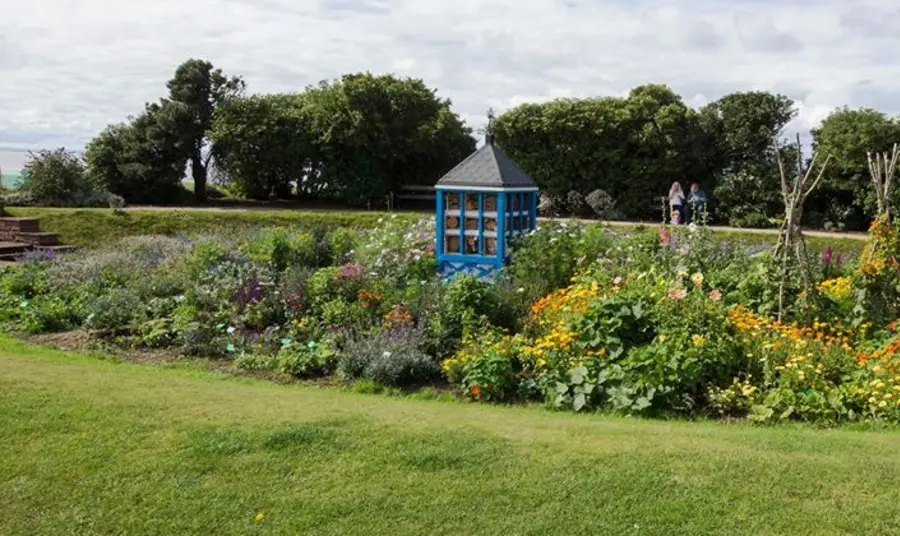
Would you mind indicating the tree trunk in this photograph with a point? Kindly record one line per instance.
(198, 172)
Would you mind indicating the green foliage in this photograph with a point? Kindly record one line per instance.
(388, 357)
(306, 360)
(284, 248)
(745, 125)
(195, 91)
(548, 258)
(112, 312)
(141, 160)
(488, 367)
(637, 145)
(262, 143)
(847, 134)
(467, 306)
(373, 134)
(54, 178)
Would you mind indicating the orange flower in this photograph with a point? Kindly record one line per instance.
(475, 390)
(368, 299)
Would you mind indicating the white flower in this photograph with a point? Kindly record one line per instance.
(386, 354)
(230, 330)
(520, 290)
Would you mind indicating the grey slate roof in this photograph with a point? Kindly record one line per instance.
(488, 167)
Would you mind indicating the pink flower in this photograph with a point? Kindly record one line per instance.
(617, 281)
(715, 295)
(664, 236)
(678, 294)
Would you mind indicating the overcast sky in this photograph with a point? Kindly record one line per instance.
(68, 68)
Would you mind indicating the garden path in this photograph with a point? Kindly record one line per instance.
(621, 224)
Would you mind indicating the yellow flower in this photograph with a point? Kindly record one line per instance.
(698, 340)
(260, 517)
(697, 279)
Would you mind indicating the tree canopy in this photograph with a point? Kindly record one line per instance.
(361, 136)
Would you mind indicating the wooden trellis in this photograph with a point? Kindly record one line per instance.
(881, 169)
(791, 250)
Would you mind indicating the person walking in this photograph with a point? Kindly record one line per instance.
(676, 203)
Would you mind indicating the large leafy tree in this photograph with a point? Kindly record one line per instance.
(847, 134)
(743, 126)
(569, 144)
(667, 144)
(633, 148)
(195, 91)
(141, 160)
(374, 134)
(263, 144)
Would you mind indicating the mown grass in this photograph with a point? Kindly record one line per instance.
(94, 227)
(94, 447)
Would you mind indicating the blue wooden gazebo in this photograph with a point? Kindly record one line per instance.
(483, 205)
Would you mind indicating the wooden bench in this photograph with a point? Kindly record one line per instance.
(416, 193)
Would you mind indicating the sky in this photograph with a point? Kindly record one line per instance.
(70, 67)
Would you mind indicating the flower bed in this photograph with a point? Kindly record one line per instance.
(657, 322)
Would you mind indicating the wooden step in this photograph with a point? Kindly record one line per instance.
(39, 239)
(21, 224)
(13, 248)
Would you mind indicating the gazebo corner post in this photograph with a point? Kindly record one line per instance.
(440, 239)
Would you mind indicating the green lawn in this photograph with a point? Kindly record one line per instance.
(94, 447)
(94, 227)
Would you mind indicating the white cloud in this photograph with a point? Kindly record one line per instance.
(68, 68)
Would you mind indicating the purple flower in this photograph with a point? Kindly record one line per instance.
(250, 291)
(826, 256)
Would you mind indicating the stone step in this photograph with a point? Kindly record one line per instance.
(39, 239)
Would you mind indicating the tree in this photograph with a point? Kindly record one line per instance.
(262, 143)
(849, 135)
(667, 144)
(743, 125)
(195, 91)
(53, 177)
(631, 148)
(751, 195)
(569, 144)
(374, 134)
(142, 160)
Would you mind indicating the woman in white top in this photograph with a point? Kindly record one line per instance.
(676, 203)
